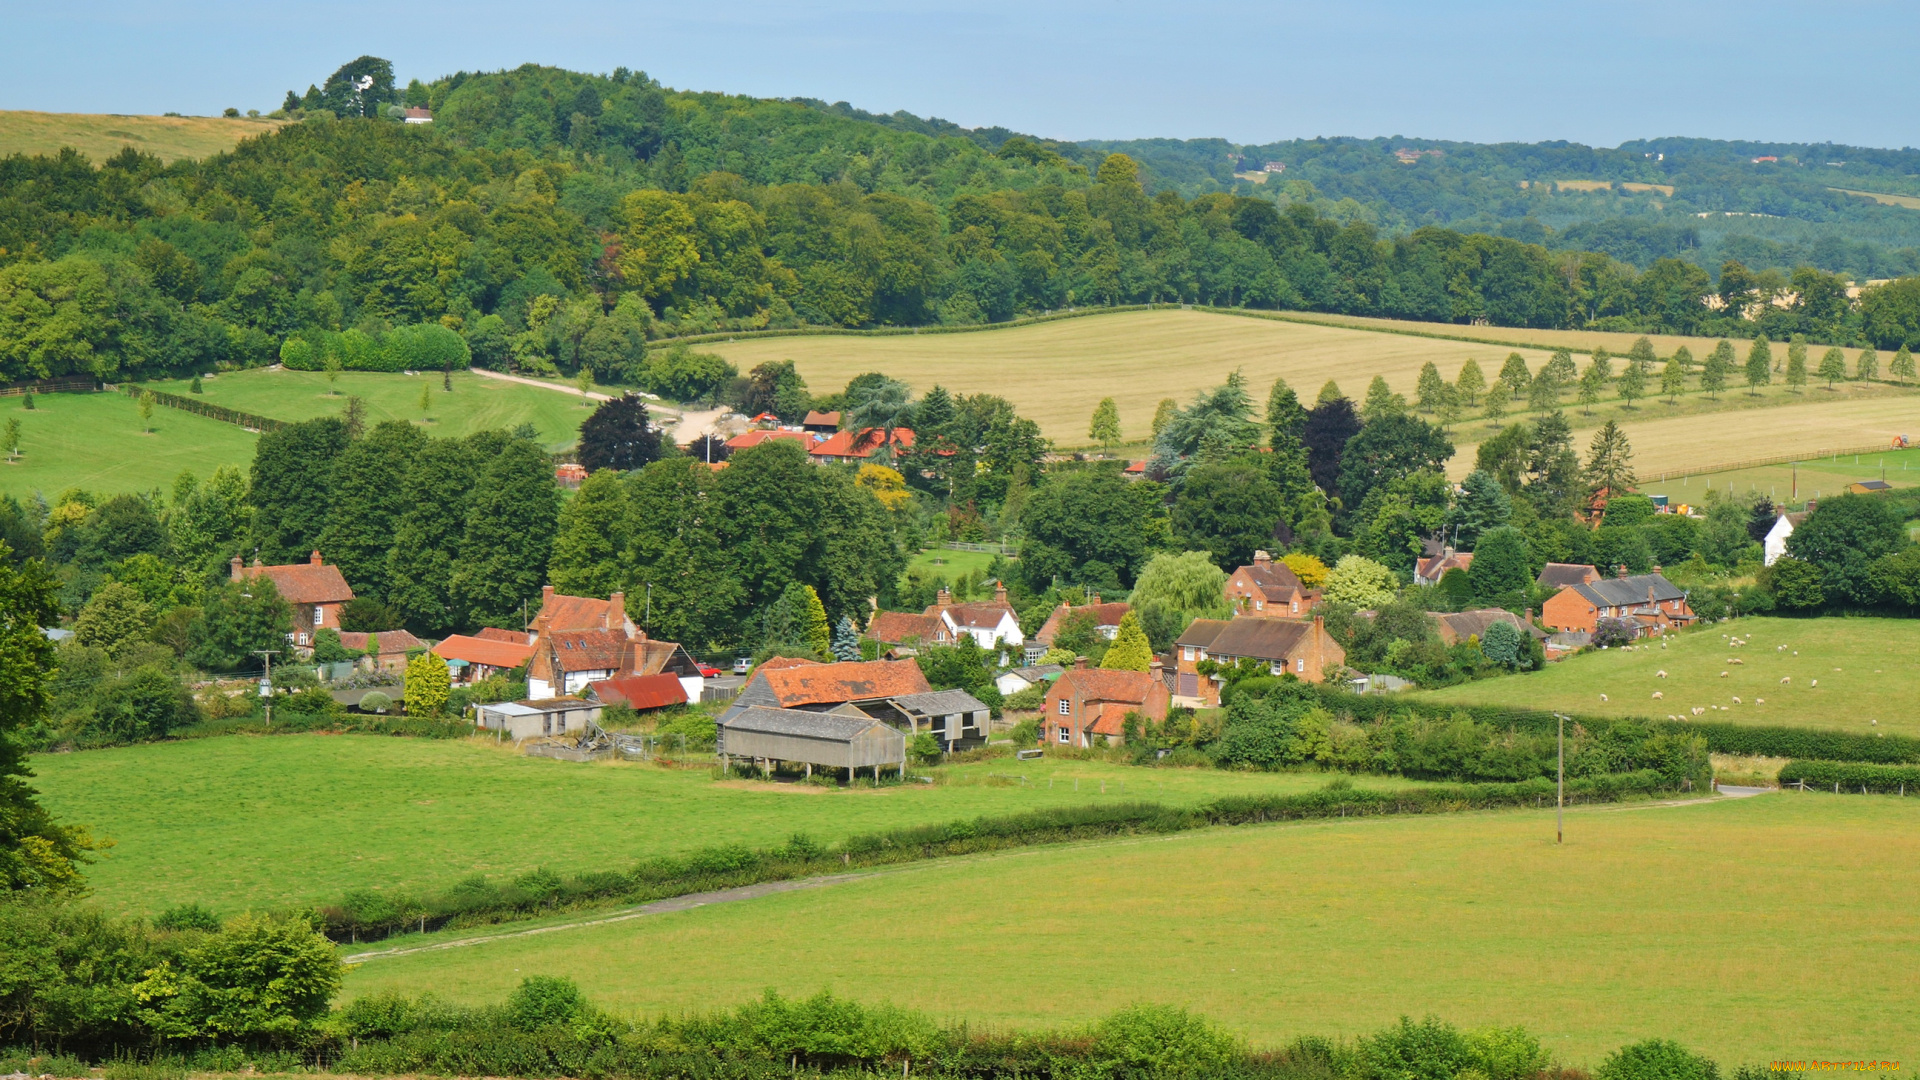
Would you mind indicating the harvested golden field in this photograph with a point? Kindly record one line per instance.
(1056, 372)
(1908, 201)
(101, 135)
(1580, 341)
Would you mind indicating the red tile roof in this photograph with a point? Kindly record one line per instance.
(307, 583)
(391, 641)
(1099, 684)
(754, 438)
(587, 650)
(1276, 581)
(894, 627)
(778, 662)
(563, 612)
(1139, 467)
(484, 650)
(642, 691)
(818, 684)
(1434, 567)
(980, 616)
(861, 444)
(494, 633)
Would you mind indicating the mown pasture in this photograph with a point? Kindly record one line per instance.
(98, 442)
(1864, 667)
(101, 135)
(1773, 927)
(238, 822)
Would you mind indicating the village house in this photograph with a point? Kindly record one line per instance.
(903, 631)
(417, 115)
(471, 659)
(991, 625)
(578, 640)
(1295, 646)
(1775, 544)
(820, 423)
(1559, 575)
(1106, 620)
(1086, 704)
(859, 445)
(1429, 569)
(390, 648)
(1269, 589)
(1458, 626)
(1014, 680)
(315, 590)
(1650, 600)
(892, 691)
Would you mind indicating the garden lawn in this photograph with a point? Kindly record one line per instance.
(475, 404)
(95, 441)
(1781, 926)
(241, 821)
(1868, 679)
(950, 564)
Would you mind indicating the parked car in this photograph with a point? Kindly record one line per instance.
(742, 665)
(708, 671)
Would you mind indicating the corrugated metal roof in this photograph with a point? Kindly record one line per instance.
(939, 703)
(797, 722)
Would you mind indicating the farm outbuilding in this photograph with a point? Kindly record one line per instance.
(536, 719)
(830, 740)
(955, 717)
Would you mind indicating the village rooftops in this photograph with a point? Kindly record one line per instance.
(1200, 633)
(897, 627)
(832, 684)
(1262, 639)
(641, 691)
(491, 652)
(1631, 591)
(390, 641)
(852, 445)
(558, 611)
(1559, 575)
(937, 703)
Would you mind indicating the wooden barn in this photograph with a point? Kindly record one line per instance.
(830, 740)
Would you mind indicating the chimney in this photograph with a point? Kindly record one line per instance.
(616, 611)
(1657, 569)
(999, 592)
(1079, 663)
(1155, 667)
(1262, 558)
(1651, 602)
(315, 557)
(1096, 599)
(943, 597)
(1319, 625)
(239, 568)
(1620, 570)
(256, 560)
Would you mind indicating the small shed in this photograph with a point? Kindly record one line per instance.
(831, 740)
(537, 719)
(953, 716)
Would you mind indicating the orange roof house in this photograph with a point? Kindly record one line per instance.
(559, 611)
(860, 445)
(990, 623)
(1085, 704)
(899, 628)
(1431, 568)
(393, 646)
(1106, 618)
(316, 591)
(748, 439)
(1269, 589)
(470, 659)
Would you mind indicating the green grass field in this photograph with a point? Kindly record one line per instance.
(237, 822)
(1774, 927)
(475, 404)
(949, 563)
(1868, 682)
(102, 135)
(95, 441)
(1813, 478)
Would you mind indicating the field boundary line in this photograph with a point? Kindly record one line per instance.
(692, 901)
(1777, 459)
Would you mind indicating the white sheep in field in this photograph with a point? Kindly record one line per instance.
(1657, 695)
(1603, 697)
(1698, 709)
(1785, 679)
(1661, 674)
(1813, 682)
(1779, 648)
(1670, 716)
(1759, 701)
(1723, 674)
(1737, 701)
(1732, 661)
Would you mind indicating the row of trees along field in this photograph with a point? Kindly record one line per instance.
(547, 249)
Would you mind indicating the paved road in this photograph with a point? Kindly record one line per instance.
(1732, 792)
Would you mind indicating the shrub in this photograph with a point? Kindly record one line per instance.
(375, 702)
(1656, 1059)
(427, 685)
(314, 702)
(1850, 777)
(543, 1001)
(1429, 1050)
(1033, 697)
(1026, 732)
(257, 980)
(1159, 1041)
(187, 916)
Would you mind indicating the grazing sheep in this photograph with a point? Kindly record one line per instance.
(1779, 648)
(1661, 674)
(1815, 682)
(1698, 709)
(1723, 674)
(1730, 661)
(1737, 701)
(1759, 701)
(1657, 695)
(1785, 679)
(1603, 697)
(1670, 716)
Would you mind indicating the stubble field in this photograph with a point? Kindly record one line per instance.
(102, 135)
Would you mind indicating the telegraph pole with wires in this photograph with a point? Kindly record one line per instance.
(266, 681)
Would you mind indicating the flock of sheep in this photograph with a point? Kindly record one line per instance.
(1734, 641)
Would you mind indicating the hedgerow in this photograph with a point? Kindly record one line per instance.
(1852, 777)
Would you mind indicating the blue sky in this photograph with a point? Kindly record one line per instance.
(1598, 71)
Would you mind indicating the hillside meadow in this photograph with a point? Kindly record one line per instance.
(1867, 678)
(101, 135)
(98, 442)
(1751, 929)
(238, 822)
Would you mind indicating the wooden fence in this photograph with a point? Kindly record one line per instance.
(1780, 459)
(68, 385)
(250, 421)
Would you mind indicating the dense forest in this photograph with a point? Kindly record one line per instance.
(556, 221)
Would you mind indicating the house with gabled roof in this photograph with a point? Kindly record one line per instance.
(821, 423)
(473, 658)
(903, 631)
(1087, 704)
(1106, 619)
(1653, 603)
(1559, 575)
(315, 590)
(387, 650)
(643, 692)
(1298, 647)
(860, 445)
(1269, 589)
(991, 625)
(1429, 569)
(558, 611)
(1455, 627)
(1774, 547)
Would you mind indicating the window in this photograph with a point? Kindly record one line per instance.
(1186, 653)
(1277, 667)
(319, 613)
(1300, 663)
(1296, 607)
(1064, 737)
(1259, 605)
(1066, 707)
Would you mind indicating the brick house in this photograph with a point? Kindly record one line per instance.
(1458, 626)
(904, 630)
(1295, 646)
(859, 445)
(392, 647)
(1429, 569)
(316, 591)
(1106, 620)
(1085, 703)
(1269, 589)
(1650, 600)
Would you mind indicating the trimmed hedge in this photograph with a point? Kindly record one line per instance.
(1851, 778)
(1722, 737)
(365, 915)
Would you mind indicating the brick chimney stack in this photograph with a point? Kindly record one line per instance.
(1262, 558)
(999, 592)
(943, 597)
(616, 611)
(1620, 570)
(1096, 599)
(315, 557)
(239, 568)
(1079, 663)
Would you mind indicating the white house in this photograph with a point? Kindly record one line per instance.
(1014, 680)
(987, 624)
(1776, 542)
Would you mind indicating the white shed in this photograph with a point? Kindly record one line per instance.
(538, 719)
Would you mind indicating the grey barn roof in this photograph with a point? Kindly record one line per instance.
(798, 722)
(1628, 591)
(939, 703)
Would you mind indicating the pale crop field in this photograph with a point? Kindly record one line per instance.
(1056, 372)
(102, 135)
(1864, 670)
(1781, 926)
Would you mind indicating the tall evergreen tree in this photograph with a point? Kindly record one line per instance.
(368, 491)
(933, 413)
(678, 559)
(846, 641)
(290, 489)
(508, 537)
(1553, 468)
(588, 547)
(1284, 412)
(1610, 461)
(1130, 650)
(436, 492)
(619, 435)
(1483, 504)
(1329, 425)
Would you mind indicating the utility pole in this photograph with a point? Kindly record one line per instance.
(1560, 785)
(266, 681)
(649, 603)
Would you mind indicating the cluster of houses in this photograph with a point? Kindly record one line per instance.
(819, 434)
